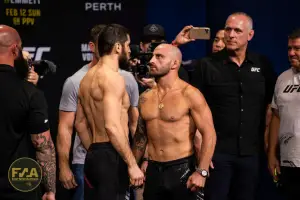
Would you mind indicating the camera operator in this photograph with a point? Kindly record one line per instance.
(153, 35)
(32, 76)
(24, 70)
(33, 71)
(23, 114)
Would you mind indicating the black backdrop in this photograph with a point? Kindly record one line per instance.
(61, 33)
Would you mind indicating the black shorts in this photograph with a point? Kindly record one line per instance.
(106, 171)
(167, 180)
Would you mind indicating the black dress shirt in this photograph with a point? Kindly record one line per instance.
(237, 97)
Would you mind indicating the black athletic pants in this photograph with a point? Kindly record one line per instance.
(234, 177)
(107, 172)
(167, 180)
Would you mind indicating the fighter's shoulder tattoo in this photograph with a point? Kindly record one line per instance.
(148, 90)
(143, 99)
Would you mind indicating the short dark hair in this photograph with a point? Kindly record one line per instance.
(95, 32)
(295, 34)
(109, 36)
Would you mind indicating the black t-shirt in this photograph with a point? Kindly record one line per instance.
(23, 112)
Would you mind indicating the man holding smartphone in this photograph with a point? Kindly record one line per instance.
(218, 45)
(238, 86)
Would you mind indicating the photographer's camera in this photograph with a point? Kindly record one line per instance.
(140, 68)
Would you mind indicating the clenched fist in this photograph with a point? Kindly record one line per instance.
(195, 182)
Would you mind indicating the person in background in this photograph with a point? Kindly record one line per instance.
(154, 33)
(32, 76)
(23, 117)
(25, 71)
(218, 43)
(285, 124)
(73, 177)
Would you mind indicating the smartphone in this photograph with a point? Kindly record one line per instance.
(199, 33)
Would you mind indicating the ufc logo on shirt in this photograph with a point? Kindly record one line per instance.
(291, 89)
(255, 69)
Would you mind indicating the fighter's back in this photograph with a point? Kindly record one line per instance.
(93, 89)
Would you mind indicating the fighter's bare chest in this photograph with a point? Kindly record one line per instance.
(172, 108)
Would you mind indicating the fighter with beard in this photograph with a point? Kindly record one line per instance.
(102, 119)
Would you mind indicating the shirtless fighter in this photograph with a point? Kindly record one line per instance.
(170, 114)
(102, 119)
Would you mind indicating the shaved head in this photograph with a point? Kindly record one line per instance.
(10, 46)
(166, 59)
(172, 51)
(8, 37)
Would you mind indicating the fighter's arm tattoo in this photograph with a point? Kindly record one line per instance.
(140, 136)
(45, 155)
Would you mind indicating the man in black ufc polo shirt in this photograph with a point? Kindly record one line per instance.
(238, 86)
(23, 116)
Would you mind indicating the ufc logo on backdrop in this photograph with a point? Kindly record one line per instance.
(291, 89)
(255, 69)
(36, 53)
